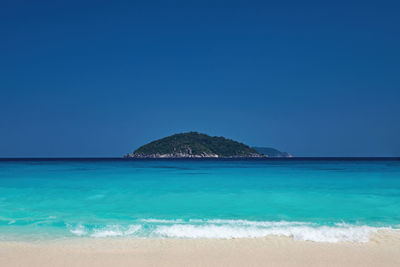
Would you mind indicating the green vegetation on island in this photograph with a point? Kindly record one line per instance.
(194, 145)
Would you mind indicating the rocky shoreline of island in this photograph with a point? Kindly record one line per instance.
(186, 155)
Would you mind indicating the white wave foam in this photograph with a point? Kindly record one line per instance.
(132, 229)
(80, 230)
(115, 230)
(219, 228)
(107, 231)
(250, 223)
(304, 233)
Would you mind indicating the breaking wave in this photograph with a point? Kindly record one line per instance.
(217, 228)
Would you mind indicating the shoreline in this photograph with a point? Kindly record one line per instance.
(382, 250)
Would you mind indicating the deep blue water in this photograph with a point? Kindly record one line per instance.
(307, 199)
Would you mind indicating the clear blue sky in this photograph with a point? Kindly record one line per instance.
(100, 78)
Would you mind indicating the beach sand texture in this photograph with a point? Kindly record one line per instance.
(382, 250)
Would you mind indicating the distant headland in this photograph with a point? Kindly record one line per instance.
(198, 145)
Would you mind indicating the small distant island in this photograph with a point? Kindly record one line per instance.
(272, 152)
(198, 145)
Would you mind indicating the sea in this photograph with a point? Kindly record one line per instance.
(314, 199)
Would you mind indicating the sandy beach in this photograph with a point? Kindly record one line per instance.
(382, 250)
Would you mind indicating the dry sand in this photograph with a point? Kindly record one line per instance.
(382, 250)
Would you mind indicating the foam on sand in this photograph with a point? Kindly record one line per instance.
(226, 229)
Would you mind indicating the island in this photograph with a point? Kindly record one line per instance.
(196, 145)
(272, 152)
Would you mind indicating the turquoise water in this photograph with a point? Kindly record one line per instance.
(319, 200)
